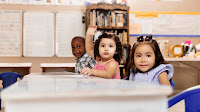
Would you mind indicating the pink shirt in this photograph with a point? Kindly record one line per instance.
(103, 68)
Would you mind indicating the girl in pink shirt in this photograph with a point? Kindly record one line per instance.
(107, 51)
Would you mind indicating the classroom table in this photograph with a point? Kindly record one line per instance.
(21, 68)
(77, 93)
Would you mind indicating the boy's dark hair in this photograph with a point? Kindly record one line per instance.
(158, 55)
(82, 39)
(119, 54)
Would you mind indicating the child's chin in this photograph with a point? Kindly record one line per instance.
(143, 71)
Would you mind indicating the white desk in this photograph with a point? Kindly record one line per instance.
(56, 67)
(75, 93)
(21, 68)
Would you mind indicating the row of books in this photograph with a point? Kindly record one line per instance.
(108, 18)
(123, 35)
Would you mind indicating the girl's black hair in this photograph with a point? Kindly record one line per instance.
(158, 60)
(118, 55)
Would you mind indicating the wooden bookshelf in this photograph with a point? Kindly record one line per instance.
(112, 18)
(106, 10)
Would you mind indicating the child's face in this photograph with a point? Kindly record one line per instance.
(78, 48)
(107, 48)
(144, 57)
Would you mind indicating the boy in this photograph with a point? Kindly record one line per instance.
(82, 58)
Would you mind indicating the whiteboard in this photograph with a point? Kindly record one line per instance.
(68, 25)
(10, 33)
(38, 35)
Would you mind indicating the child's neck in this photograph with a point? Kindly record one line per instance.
(105, 59)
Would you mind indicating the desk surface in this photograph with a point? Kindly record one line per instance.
(45, 65)
(77, 90)
(57, 65)
(77, 85)
(15, 64)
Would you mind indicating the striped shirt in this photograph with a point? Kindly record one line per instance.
(152, 75)
(84, 61)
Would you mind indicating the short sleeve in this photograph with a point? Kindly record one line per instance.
(131, 76)
(164, 67)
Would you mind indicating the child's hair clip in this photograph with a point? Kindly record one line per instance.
(140, 39)
(148, 38)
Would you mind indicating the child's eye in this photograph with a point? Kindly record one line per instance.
(73, 47)
(102, 46)
(148, 55)
(138, 56)
(111, 45)
(78, 46)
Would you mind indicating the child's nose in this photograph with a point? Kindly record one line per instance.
(76, 49)
(106, 48)
(143, 59)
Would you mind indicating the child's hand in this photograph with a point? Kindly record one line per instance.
(92, 30)
(86, 71)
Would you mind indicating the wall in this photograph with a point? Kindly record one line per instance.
(37, 60)
(152, 5)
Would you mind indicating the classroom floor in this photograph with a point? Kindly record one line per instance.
(179, 107)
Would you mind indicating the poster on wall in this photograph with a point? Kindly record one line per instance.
(3, 1)
(10, 33)
(38, 34)
(68, 25)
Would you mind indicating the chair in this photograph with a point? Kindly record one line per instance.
(8, 78)
(191, 97)
(172, 83)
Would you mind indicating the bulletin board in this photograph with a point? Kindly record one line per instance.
(167, 24)
(165, 18)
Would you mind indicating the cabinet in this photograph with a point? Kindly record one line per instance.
(111, 18)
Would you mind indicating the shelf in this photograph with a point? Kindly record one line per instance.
(15, 65)
(182, 59)
(111, 28)
(43, 65)
(107, 7)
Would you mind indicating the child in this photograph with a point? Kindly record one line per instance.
(147, 64)
(82, 58)
(107, 51)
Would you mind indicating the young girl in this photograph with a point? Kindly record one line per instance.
(147, 64)
(107, 51)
